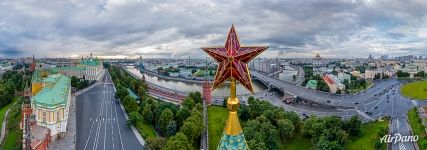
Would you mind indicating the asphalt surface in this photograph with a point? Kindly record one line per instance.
(101, 124)
(401, 126)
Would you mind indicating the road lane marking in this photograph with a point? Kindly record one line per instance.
(90, 132)
(401, 146)
(111, 115)
(118, 126)
(106, 115)
(99, 123)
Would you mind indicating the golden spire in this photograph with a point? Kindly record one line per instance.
(232, 126)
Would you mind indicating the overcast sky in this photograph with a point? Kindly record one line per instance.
(178, 28)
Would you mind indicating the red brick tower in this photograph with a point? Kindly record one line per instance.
(207, 87)
(33, 64)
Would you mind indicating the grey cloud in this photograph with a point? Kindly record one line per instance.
(127, 27)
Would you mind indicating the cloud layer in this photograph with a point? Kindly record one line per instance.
(178, 28)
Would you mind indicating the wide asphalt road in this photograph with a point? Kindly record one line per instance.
(401, 126)
(101, 123)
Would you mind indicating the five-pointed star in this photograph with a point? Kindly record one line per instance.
(232, 60)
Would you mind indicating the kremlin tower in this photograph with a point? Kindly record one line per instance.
(207, 86)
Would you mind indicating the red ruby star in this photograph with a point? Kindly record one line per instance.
(232, 60)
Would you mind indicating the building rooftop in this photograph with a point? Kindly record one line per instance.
(38, 135)
(132, 94)
(37, 74)
(90, 62)
(76, 68)
(55, 93)
(311, 84)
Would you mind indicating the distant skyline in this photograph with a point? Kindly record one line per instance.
(177, 29)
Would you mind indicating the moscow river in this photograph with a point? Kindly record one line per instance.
(224, 90)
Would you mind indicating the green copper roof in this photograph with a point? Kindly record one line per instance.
(233, 142)
(76, 68)
(312, 83)
(54, 94)
(132, 94)
(36, 77)
(90, 62)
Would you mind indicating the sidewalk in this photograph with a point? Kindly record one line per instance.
(3, 127)
(68, 141)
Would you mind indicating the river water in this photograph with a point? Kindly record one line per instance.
(223, 90)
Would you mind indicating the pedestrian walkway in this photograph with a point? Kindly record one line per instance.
(67, 142)
(4, 124)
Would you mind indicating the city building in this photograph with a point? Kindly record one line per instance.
(311, 84)
(384, 57)
(50, 101)
(344, 76)
(185, 73)
(317, 61)
(88, 69)
(94, 69)
(356, 73)
(414, 67)
(370, 74)
(5, 67)
(370, 58)
(333, 83)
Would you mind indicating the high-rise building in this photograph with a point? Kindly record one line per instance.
(384, 57)
(370, 57)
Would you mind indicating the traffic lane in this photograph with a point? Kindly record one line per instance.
(90, 105)
(380, 104)
(307, 111)
(382, 107)
(325, 97)
(85, 104)
(125, 133)
(400, 125)
(94, 139)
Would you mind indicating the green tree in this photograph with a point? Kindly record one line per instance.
(378, 145)
(294, 117)
(182, 115)
(142, 92)
(243, 112)
(121, 92)
(189, 103)
(164, 119)
(353, 126)
(325, 144)
(402, 74)
(147, 113)
(156, 143)
(171, 128)
(193, 127)
(134, 117)
(178, 142)
(130, 104)
(285, 128)
(257, 143)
